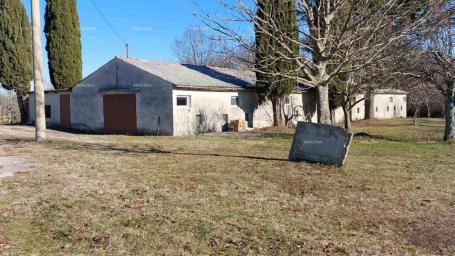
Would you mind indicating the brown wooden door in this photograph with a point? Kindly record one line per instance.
(120, 114)
(65, 111)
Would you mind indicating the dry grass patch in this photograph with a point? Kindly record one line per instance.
(234, 195)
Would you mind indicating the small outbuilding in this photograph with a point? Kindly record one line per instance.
(382, 104)
(388, 103)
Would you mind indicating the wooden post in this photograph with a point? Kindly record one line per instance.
(40, 122)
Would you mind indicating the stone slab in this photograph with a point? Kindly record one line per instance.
(320, 143)
(9, 165)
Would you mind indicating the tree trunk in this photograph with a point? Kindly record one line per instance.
(347, 118)
(449, 135)
(20, 104)
(368, 106)
(323, 105)
(428, 111)
(277, 106)
(416, 114)
(346, 106)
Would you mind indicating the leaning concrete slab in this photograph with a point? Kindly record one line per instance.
(320, 143)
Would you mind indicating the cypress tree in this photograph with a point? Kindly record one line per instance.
(15, 50)
(276, 68)
(63, 45)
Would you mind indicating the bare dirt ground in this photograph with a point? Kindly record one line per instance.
(9, 165)
(13, 161)
(10, 162)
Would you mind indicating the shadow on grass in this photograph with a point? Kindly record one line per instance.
(97, 147)
(230, 156)
(287, 136)
(364, 135)
(367, 136)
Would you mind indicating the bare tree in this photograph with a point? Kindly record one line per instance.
(352, 89)
(194, 47)
(437, 63)
(418, 98)
(9, 111)
(333, 34)
(198, 47)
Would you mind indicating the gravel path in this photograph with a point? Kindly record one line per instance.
(10, 162)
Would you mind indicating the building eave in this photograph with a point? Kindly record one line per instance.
(211, 88)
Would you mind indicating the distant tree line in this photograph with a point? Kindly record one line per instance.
(198, 46)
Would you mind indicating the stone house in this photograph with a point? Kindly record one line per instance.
(388, 103)
(133, 96)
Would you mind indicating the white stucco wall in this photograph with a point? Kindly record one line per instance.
(357, 111)
(378, 108)
(263, 114)
(213, 105)
(382, 107)
(51, 99)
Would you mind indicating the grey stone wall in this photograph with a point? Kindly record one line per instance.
(153, 98)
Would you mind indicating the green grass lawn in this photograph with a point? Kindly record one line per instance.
(232, 195)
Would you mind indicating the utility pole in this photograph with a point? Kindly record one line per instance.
(40, 122)
(127, 47)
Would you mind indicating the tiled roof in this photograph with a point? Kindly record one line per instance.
(198, 77)
(191, 76)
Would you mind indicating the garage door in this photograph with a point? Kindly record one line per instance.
(120, 114)
(65, 111)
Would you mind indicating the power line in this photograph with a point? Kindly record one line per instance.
(111, 26)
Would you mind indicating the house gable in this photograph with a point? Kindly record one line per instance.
(120, 75)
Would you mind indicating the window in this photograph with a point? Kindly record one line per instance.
(358, 110)
(47, 111)
(401, 108)
(226, 118)
(394, 108)
(183, 101)
(288, 100)
(388, 108)
(377, 109)
(391, 99)
(234, 101)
